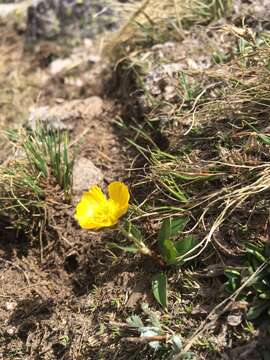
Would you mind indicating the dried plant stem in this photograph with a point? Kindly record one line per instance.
(147, 339)
(232, 198)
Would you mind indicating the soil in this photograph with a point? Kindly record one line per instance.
(67, 295)
(58, 298)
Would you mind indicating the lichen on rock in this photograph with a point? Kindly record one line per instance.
(51, 18)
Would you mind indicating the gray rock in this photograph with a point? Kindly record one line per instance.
(163, 80)
(85, 175)
(50, 18)
(52, 118)
(65, 115)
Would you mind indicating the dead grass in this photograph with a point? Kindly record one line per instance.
(204, 153)
(151, 22)
(215, 165)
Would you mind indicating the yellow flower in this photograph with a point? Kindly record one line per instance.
(95, 211)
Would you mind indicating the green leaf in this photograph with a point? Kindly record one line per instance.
(264, 296)
(256, 251)
(185, 245)
(168, 252)
(234, 279)
(159, 287)
(264, 138)
(178, 225)
(230, 272)
(260, 287)
(131, 249)
(165, 231)
(255, 311)
(166, 246)
(135, 321)
(169, 228)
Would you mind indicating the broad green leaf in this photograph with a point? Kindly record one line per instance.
(171, 227)
(159, 287)
(168, 252)
(185, 245)
(131, 249)
(165, 231)
(166, 246)
(178, 225)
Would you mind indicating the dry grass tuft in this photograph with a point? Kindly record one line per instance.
(155, 21)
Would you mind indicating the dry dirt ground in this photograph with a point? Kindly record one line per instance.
(57, 298)
(67, 295)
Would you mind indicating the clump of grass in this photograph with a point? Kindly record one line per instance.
(206, 155)
(215, 167)
(38, 177)
(47, 152)
(154, 22)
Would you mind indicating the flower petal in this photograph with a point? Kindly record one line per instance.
(85, 211)
(88, 207)
(97, 194)
(95, 211)
(119, 193)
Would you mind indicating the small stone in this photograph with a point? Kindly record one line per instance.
(163, 76)
(234, 320)
(10, 305)
(11, 330)
(60, 65)
(85, 175)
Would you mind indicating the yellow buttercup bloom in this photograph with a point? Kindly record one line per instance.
(95, 210)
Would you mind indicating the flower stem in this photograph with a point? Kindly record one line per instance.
(142, 248)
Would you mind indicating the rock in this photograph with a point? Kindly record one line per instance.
(234, 320)
(11, 330)
(86, 18)
(65, 115)
(162, 82)
(83, 55)
(255, 13)
(10, 305)
(85, 175)
(14, 11)
(50, 116)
